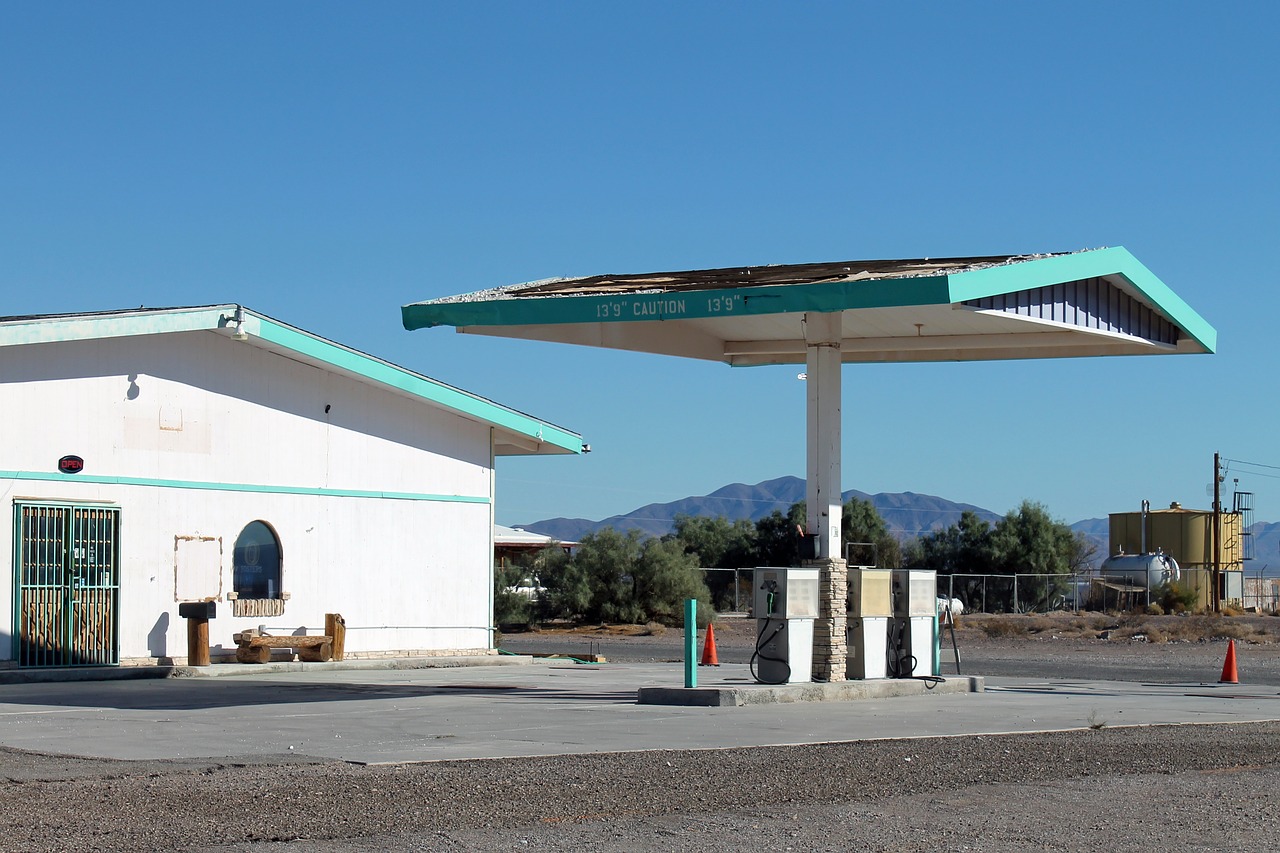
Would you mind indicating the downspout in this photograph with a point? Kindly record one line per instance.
(493, 501)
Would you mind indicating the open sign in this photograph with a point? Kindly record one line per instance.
(71, 464)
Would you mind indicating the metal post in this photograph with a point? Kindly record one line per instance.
(691, 642)
(1215, 596)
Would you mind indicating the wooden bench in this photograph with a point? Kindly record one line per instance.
(252, 647)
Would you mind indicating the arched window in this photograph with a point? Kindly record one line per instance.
(256, 562)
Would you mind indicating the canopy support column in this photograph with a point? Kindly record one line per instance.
(822, 386)
(823, 504)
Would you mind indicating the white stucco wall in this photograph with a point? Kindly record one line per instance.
(173, 413)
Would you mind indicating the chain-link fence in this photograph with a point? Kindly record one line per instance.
(1022, 593)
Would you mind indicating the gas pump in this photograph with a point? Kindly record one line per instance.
(913, 628)
(785, 605)
(870, 606)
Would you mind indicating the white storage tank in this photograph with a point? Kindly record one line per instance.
(1145, 570)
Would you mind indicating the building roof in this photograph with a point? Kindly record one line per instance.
(515, 433)
(1098, 302)
(514, 537)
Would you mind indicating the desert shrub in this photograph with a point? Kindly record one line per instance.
(654, 629)
(1003, 627)
(1154, 609)
(1174, 599)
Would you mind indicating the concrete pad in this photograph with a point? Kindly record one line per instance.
(383, 715)
(772, 694)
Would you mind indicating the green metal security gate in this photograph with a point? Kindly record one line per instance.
(66, 567)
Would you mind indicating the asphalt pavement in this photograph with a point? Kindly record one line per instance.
(533, 707)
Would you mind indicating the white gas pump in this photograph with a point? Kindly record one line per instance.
(785, 604)
(869, 609)
(913, 628)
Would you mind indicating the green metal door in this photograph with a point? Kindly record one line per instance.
(66, 567)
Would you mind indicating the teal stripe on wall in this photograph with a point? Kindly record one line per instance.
(49, 476)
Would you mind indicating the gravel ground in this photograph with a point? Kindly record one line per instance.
(1148, 789)
(1191, 788)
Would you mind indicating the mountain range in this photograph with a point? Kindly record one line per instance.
(906, 514)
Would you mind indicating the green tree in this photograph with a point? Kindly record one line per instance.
(1029, 540)
(566, 592)
(510, 607)
(860, 521)
(962, 548)
(778, 537)
(717, 543)
(607, 558)
(663, 578)
(625, 577)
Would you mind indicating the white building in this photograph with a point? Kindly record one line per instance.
(154, 457)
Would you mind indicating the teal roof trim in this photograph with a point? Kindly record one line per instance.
(19, 331)
(388, 374)
(1042, 272)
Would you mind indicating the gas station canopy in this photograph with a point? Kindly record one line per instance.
(1100, 302)
(1090, 303)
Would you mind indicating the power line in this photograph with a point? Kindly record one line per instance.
(1255, 464)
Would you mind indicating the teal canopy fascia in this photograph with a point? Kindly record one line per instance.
(1009, 303)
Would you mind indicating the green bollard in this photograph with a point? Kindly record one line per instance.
(691, 642)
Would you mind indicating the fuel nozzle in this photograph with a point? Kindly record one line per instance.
(770, 587)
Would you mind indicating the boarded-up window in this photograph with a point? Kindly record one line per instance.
(197, 568)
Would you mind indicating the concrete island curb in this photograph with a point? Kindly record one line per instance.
(843, 691)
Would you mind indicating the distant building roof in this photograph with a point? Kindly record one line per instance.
(514, 537)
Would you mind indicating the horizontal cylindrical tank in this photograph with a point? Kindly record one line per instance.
(1146, 570)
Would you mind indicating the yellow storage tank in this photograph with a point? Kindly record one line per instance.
(1184, 534)
(1187, 536)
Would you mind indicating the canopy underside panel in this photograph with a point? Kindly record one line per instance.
(1018, 326)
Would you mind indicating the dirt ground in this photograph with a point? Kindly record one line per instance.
(1090, 646)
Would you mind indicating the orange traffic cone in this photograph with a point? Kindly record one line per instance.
(709, 656)
(1229, 675)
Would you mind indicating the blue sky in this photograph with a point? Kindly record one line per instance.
(326, 163)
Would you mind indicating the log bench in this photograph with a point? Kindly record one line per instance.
(252, 647)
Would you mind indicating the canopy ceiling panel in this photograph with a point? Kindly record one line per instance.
(1099, 302)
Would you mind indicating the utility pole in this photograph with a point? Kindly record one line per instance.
(1215, 597)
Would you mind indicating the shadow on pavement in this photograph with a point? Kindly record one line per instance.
(175, 695)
